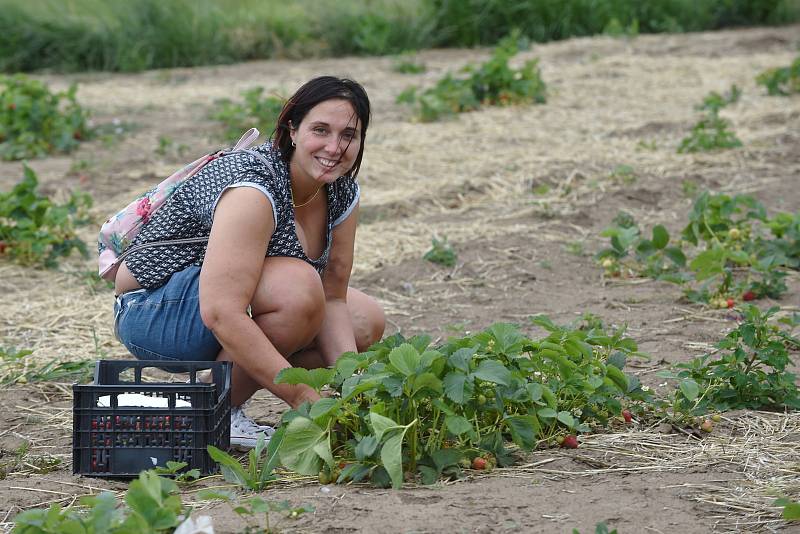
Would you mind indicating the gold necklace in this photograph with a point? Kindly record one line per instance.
(307, 201)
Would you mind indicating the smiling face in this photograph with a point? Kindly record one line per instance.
(327, 142)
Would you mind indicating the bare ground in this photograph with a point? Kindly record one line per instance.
(612, 102)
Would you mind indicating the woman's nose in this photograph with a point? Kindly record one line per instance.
(333, 146)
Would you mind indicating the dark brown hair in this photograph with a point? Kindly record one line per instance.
(309, 95)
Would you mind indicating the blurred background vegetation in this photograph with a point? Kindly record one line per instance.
(125, 35)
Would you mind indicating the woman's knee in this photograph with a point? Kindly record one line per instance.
(290, 293)
(369, 320)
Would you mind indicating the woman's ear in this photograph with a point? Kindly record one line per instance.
(292, 132)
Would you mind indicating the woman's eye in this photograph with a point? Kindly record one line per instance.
(319, 130)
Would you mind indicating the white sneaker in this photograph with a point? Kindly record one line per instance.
(245, 432)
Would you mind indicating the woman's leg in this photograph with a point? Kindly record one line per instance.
(368, 320)
(288, 306)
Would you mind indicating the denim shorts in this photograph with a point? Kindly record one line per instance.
(165, 323)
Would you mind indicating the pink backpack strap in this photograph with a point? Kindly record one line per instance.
(125, 225)
(246, 140)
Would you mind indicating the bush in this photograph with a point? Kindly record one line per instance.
(119, 35)
(35, 122)
(475, 22)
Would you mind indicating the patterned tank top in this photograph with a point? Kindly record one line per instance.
(189, 213)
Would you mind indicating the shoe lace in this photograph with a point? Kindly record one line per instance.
(241, 422)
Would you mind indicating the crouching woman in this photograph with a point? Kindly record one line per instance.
(270, 288)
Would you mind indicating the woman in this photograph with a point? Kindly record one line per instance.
(270, 290)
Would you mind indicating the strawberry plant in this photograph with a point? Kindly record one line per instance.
(35, 122)
(713, 102)
(493, 83)
(600, 528)
(407, 409)
(725, 252)
(631, 253)
(712, 132)
(254, 112)
(152, 504)
(37, 231)
(731, 231)
(781, 81)
(178, 471)
(785, 228)
(749, 371)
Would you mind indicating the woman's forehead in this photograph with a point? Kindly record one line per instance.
(336, 111)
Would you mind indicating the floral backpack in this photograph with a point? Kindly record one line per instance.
(119, 231)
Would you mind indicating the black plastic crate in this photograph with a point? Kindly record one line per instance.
(109, 440)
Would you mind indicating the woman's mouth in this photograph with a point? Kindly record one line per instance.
(327, 163)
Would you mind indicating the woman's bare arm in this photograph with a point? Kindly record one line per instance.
(243, 225)
(336, 335)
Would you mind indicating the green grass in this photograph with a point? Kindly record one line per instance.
(119, 35)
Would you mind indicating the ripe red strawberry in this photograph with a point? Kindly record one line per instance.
(626, 414)
(730, 303)
(748, 295)
(570, 442)
(479, 463)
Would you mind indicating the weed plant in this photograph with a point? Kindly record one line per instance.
(252, 508)
(791, 509)
(15, 368)
(709, 133)
(407, 63)
(35, 122)
(441, 252)
(125, 36)
(259, 471)
(36, 231)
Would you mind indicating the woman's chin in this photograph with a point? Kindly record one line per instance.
(328, 177)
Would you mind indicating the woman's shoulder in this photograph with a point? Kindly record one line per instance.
(270, 156)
